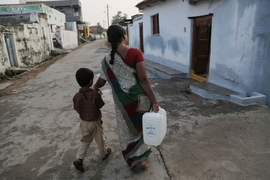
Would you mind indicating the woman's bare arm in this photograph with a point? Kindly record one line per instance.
(145, 83)
(99, 83)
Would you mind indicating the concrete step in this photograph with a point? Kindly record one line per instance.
(209, 90)
(203, 89)
(162, 71)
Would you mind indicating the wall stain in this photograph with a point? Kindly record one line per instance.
(173, 45)
(261, 54)
(156, 42)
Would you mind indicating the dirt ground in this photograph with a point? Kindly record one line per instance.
(214, 139)
(18, 80)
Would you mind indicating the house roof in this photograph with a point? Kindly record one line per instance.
(96, 29)
(147, 3)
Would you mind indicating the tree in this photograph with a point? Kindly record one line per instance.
(118, 18)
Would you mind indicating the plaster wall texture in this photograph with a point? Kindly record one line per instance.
(31, 44)
(240, 41)
(14, 20)
(241, 63)
(4, 60)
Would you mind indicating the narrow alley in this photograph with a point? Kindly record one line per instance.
(207, 139)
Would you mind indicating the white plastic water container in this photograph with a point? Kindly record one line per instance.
(154, 127)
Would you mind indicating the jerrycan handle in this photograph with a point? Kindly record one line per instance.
(151, 110)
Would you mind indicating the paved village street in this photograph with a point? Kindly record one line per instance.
(207, 139)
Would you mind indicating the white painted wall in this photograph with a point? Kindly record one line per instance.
(172, 46)
(240, 41)
(69, 39)
(130, 34)
(4, 59)
(135, 35)
(54, 17)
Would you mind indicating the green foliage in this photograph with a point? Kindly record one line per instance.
(9, 73)
(2, 75)
(118, 18)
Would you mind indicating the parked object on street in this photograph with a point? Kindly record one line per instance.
(154, 127)
(93, 39)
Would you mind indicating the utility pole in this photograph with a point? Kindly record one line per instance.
(108, 15)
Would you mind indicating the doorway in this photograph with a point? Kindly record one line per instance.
(10, 46)
(201, 47)
(141, 37)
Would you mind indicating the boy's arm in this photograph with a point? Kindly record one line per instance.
(75, 104)
(99, 83)
(99, 101)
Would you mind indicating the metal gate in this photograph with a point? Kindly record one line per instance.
(11, 49)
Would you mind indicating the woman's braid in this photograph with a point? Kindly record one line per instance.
(115, 34)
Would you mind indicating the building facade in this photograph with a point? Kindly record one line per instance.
(23, 43)
(71, 8)
(26, 33)
(223, 42)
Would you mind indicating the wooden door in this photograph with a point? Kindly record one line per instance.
(141, 37)
(201, 45)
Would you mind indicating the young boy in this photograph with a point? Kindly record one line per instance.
(87, 103)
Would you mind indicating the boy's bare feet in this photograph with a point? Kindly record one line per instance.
(141, 166)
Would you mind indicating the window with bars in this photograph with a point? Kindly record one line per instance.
(155, 24)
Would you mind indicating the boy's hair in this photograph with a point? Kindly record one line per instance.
(84, 76)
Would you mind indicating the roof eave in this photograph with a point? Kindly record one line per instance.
(148, 3)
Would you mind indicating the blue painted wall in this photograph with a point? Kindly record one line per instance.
(240, 41)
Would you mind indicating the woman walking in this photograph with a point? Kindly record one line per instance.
(125, 70)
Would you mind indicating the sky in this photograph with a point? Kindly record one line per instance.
(95, 11)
